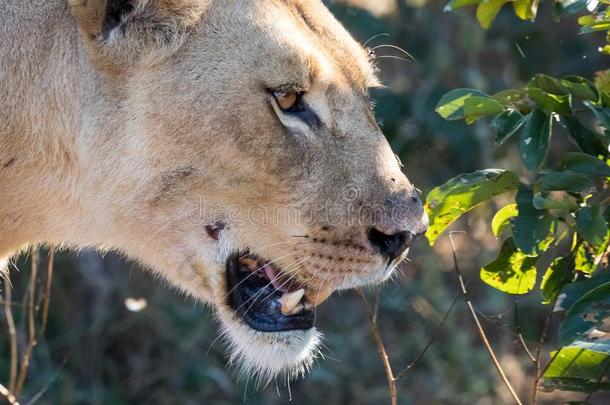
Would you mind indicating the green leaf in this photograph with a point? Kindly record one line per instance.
(455, 4)
(572, 292)
(500, 221)
(451, 105)
(548, 201)
(591, 224)
(588, 256)
(487, 11)
(583, 163)
(526, 9)
(564, 181)
(476, 107)
(561, 104)
(532, 228)
(511, 272)
(602, 26)
(602, 114)
(580, 87)
(586, 20)
(515, 98)
(588, 141)
(557, 275)
(506, 124)
(449, 201)
(586, 319)
(535, 139)
(547, 84)
(584, 260)
(576, 368)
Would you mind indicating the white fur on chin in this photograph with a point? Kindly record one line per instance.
(264, 356)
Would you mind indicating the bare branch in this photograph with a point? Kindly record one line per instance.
(520, 334)
(380, 348)
(7, 394)
(46, 299)
(435, 335)
(376, 306)
(479, 327)
(12, 334)
(27, 354)
(541, 341)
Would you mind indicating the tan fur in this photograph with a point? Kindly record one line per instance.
(139, 138)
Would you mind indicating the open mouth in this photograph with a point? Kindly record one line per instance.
(267, 299)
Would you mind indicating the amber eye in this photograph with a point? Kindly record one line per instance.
(286, 100)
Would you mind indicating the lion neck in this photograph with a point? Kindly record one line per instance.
(47, 160)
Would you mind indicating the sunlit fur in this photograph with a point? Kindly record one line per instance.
(138, 137)
(263, 357)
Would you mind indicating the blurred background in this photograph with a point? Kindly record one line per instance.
(116, 335)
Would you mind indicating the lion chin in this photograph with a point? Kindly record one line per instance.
(264, 356)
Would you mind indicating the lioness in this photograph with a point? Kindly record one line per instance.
(229, 145)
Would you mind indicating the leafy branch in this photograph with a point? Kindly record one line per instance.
(560, 206)
(596, 16)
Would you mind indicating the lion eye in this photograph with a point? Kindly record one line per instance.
(286, 100)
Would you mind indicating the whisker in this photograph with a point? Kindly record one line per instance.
(288, 244)
(375, 36)
(315, 309)
(212, 344)
(254, 271)
(292, 277)
(258, 294)
(255, 296)
(394, 47)
(392, 57)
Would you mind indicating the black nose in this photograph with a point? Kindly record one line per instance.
(393, 245)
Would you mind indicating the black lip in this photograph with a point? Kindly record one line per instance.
(255, 301)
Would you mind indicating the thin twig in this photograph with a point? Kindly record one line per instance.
(380, 348)
(551, 361)
(541, 340)
(480, 330)
(376, 306)
(520, 334)
(27, 354)
(10, 321)
(7, 394)
(46, 387)
(435, 335)
(46, 299)
(387, 365)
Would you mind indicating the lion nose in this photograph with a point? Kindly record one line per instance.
(391, 246)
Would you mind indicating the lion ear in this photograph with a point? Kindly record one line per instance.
(130, 28)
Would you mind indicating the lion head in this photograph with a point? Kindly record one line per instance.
(232, 148)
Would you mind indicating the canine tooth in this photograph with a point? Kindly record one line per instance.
(290, 301)
(249, 263)
(296, 309)
(318, 297)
